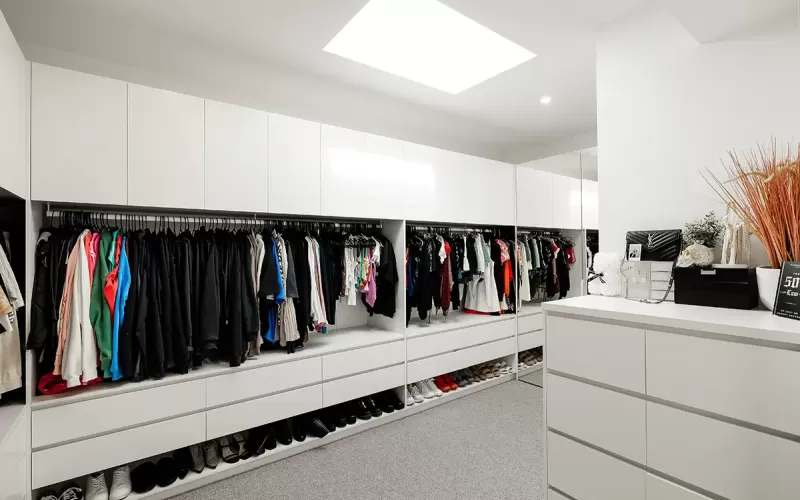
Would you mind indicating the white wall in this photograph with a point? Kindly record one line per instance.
(14, 92)
(669, 107)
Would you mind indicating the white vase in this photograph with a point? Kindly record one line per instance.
(767, 279)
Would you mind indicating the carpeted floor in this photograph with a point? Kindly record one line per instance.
(484, 446)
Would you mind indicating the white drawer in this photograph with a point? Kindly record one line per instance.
(606, 419)
(530, 323)
(96, 416)
(248, 384)
(553, 495)
(731, 461)
(756, 384)
(345, 389)
(347, 363)
(241, 416)
(437, 365)
(601, 352)
(661, 489)
(431, 345)
(91, 455)
(586, 474)
(530, 340)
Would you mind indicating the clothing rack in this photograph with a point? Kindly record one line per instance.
(540, 232)
(129, 219)
(450, 230)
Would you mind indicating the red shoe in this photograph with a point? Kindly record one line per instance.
(449, 380)
(441, 384)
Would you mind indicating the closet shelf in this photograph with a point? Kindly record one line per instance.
(455, 321)
(530, 308)
(345, 339)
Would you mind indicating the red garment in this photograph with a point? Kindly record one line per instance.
(112, 280)
(571, 256)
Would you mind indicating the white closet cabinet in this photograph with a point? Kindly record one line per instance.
(591, 214)
(294, 166)
(344, 167)
(78, 131)
(566, 202)
(235, 158)
(165, 149)
(534, 198)
(428, 197)
(496, 181)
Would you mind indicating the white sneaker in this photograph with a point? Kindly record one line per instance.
(409, 398)
(413, 391)
(96, 488)
(121, 483)
(432, 387)
(423, 389)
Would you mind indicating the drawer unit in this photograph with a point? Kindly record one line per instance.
(97, 416)
(732, 461)
(431, 345)
(607, 419)
(100, 453)
(530, 340)
(437, 365)
(345, 389)
(346, 363)
(586, 474)
(530, 323)
(597, 351)
(661, 489)
(248, 384)
(241, 416)
(751, 383)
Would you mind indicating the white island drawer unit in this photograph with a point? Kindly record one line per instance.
(670, 402)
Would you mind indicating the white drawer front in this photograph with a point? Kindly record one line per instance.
(247, 384)
(586, 474)
(530, 340)
(750, 383)
(91, 455)
(437, 365)
(241, 416)
(601, 352)
(95, 416)
(552, 495)
(431, 345)
(661, 489)
(347, 363)
(530, 323)
(731, 461)
(609, 420)
(345, 389)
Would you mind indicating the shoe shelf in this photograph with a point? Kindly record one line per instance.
(458, 393)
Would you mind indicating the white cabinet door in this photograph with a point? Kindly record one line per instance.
(165, 149)
(591, 219)
(534, 198)
(566, 202)
(236, 158)
(294, 166)
(344, 167)
(497, 186)
(14, 92)
(427, 196)
(78, 136)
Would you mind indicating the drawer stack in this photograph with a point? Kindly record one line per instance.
(628, 408)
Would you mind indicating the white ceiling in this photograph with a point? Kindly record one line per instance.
(284, 40)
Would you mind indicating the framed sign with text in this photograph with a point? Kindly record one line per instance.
(787, 300)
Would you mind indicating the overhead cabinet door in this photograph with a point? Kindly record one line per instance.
(78, 137)
(534, 198)
(235, 158)
(294, 166)
(165, 149)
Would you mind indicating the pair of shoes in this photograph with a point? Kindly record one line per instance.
(284, 432)
(445, 383)
(414, 394)
(428, 388)
(366, 408)
(388, 401)
(468, 376)
(232, 447)
(96, 488)
(462, 378)
(503, 367)
(71, 492)
(259, 440)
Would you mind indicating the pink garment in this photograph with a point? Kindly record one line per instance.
(91, 254)
(65, 308)
(372, 288)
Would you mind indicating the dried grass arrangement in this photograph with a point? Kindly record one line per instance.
(763, 189)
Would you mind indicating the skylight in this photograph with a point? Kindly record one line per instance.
(427, 42)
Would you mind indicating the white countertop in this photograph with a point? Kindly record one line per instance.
(754, 324)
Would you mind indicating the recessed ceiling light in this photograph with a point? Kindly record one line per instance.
(427, 42)
(546, 99)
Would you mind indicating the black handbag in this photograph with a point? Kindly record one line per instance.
(660, 246)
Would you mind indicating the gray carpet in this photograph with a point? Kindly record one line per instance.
(484, 446)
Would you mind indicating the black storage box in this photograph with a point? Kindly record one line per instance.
(716, 287)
